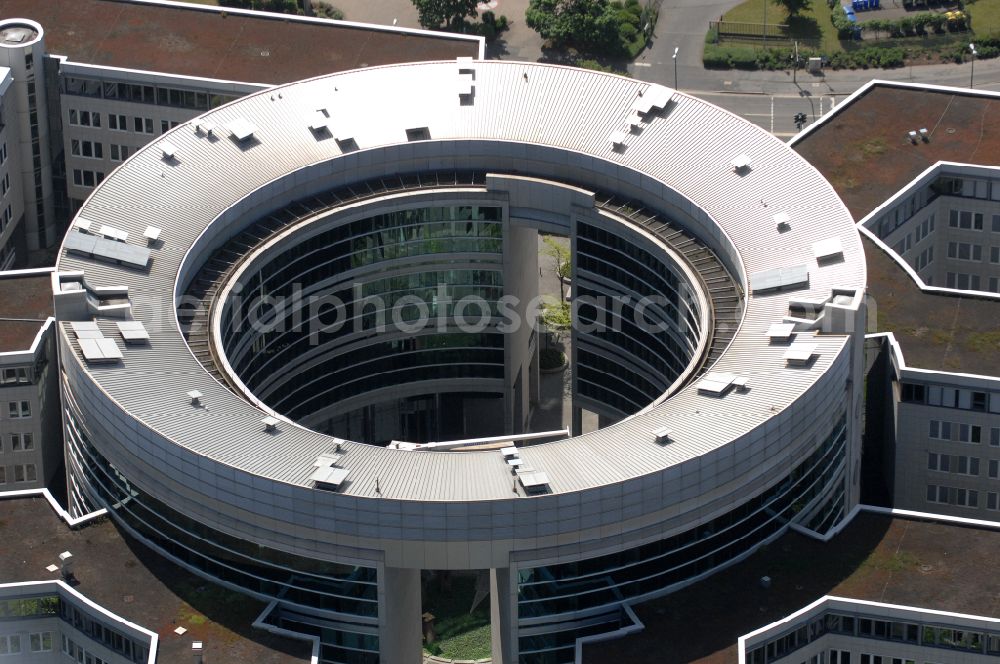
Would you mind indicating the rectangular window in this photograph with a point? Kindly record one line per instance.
(932, 461)
(991, 500)
(995, 437)
(994, 469)
(996, 220)
(10, 645)
(41, 641)
(3, 474)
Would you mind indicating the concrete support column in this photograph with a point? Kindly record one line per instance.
(400, 635)
(576, 427)
(503, 617)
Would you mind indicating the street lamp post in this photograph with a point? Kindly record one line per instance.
(764, 29)
(676, 48)
(972, 73)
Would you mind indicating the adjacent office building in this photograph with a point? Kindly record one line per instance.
(85, 83)
(30, 431)
(924, 186)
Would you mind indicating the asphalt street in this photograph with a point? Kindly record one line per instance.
(769, 99)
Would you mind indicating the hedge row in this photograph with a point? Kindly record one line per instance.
(719, 56)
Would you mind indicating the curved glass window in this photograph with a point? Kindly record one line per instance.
(558, 592)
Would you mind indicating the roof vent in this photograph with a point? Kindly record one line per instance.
(418, 134)
(107, 250)
(654, 97)
(270, 424)
(168, 150)
(533, 481)
(717, 384)
(800, 353)
(662, 435)
(152, 234)
(112, 233)
(779, 278)
(741, 164)
(319, 122)
(328, 478)
(86, 330)
(828, 249)
(195, 397)
(100, 350)
(781, 331)
(617, 139)
(133, 331)
(204, 127)
(82, 225)
(241, 129)
(781, 221)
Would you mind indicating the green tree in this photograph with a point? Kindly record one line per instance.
(793, 6)
(557, 318)
(447, 14)
(592, 26)
(559, 253)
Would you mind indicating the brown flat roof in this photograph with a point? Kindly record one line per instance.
(864, 149)
(876, 558)
(941, 332)
(128, 579)
(199, 41)
(25, 303)
(865, 153)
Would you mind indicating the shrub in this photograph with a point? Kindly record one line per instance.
(550, 358)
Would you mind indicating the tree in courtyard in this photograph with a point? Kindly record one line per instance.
(558, 252)
(446, 14)
(557, 318)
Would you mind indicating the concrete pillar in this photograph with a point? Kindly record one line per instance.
(400, 635)
(576, 427)
(503, 617)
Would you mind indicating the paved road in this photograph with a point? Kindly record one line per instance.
(769, 99)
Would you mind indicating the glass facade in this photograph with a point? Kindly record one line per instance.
(316, 309)
(653, 343)
(347, 590)
(557, 592)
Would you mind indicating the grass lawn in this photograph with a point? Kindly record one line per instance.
(814, 27)
(460, 634)
(985, 16)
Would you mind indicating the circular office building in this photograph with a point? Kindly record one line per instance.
(300, 349)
